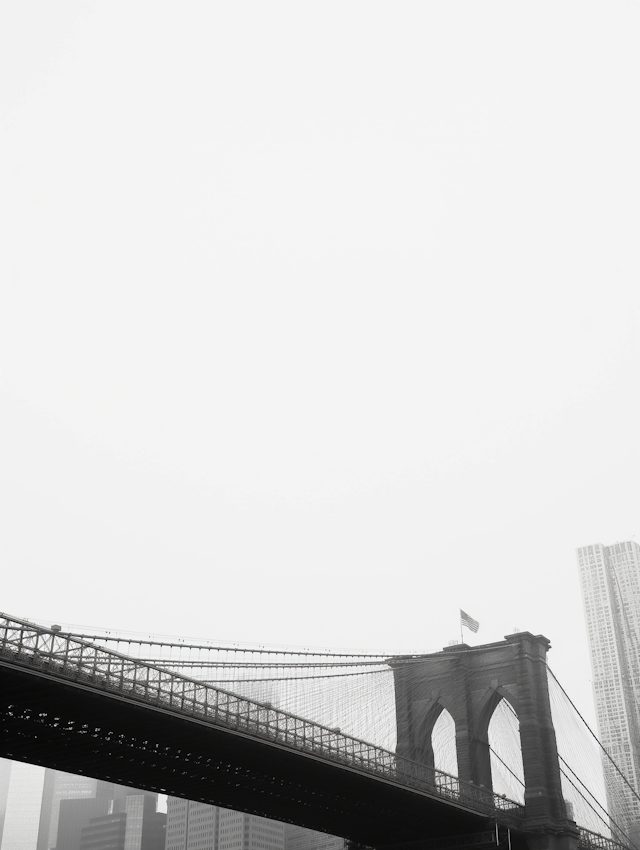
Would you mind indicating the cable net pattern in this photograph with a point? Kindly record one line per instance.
(583, 761)
(345, 690)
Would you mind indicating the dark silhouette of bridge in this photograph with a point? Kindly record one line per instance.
(75, 706)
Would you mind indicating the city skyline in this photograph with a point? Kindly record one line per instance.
(193, 825)
(49, 809)
(44, 809)
(319, 322)
(348, 332)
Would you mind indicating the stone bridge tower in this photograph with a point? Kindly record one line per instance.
(469, 682)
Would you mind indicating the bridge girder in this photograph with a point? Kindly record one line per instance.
(71, 727)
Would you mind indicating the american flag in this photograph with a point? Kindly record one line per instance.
(469, 622)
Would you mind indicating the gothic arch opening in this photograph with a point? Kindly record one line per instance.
(443, 742)
(505, 752)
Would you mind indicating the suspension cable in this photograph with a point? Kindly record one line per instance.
(595, 737)
(515, 775)
(620, 830)
(289, 678)
(212, 648)
(190, 662)
(590, 793)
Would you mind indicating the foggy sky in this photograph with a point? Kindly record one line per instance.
(319, 320)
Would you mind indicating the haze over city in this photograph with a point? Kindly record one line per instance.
(320, 321)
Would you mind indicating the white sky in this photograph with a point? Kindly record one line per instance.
(319, 320)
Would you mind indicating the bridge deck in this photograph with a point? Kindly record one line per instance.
(73, 727)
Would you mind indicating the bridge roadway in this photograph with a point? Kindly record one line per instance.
(74, 706)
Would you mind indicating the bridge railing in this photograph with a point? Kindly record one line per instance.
(592, 841)
(29, 645)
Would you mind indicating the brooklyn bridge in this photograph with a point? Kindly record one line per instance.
(298, 735)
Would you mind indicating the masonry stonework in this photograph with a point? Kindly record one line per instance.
(469, 682)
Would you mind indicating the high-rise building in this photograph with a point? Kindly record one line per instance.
(94, 820)
(191, 825)
(23, 799)
(5, 778)
(132, 825)
(60, 786)
(610, 580)
(238, 831)
(30, 797)
(299, 838)
(199, 826)
(107, 831)
(75, 815)
(43, 809)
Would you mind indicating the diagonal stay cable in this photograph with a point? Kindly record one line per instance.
(515, 776)
(579, 792)
(593, 735)
(589, 804)
(611, 820)
(590, 793)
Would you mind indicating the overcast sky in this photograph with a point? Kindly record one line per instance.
(319, 320)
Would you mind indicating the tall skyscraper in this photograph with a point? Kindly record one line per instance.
(199, 826)
(191, 825)
(60, 786)
(95, 821)
(237, 831)
(610, 580)
(74, 815)
(134, 824)
(43, 809)
(298, 838)
(22, 807)
(104, 831)
(5, 778)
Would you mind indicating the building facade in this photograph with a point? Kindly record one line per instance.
(5, 779)
(199, 826)
(610, 581)
(59, 786)
(299, 838)
(22, 786)
(191, 825)
(94, 822)
(238, 831)
(43, 809)
(104, 831)
(74, 815)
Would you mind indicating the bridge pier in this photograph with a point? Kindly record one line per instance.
(567, 839)
(469, 682)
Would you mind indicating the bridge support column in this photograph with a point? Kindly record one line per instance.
(566, 839)
(469, 683)
(543, 798)
(547, 823)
